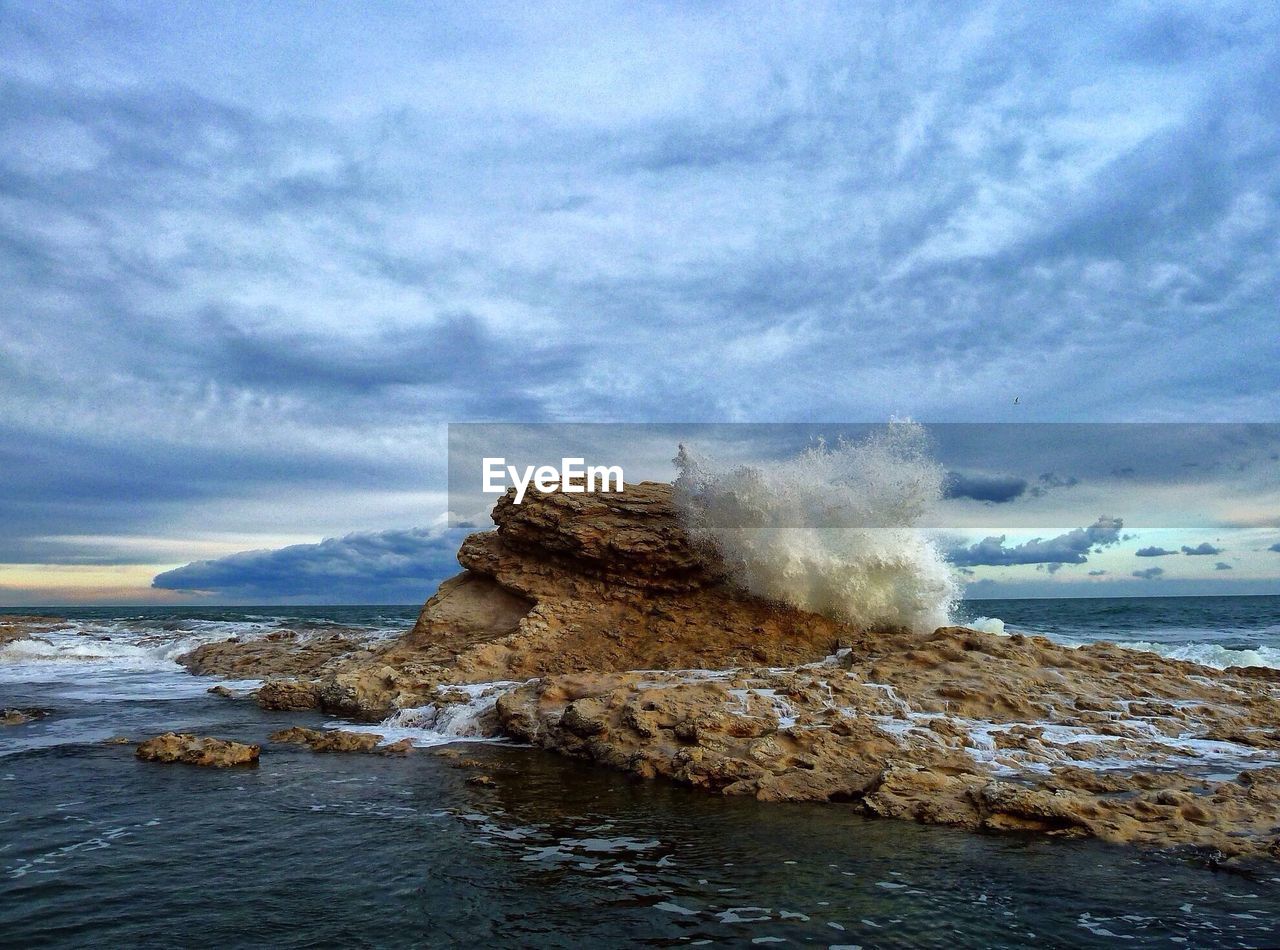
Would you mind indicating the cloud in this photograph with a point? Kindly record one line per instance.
(396, 566)
(1097, 573)
(321, 250)
(1153, 552)
(1222, 566)
(1202, 549)
(1275, 547)
(1070, 548)
(1150, 574)
(994, 489)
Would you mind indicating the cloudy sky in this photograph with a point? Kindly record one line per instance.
(255, 256)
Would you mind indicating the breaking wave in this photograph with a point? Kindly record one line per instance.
(834, 530)
(1210, 654)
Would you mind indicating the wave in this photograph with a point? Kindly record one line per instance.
(1210, 654)
(834, 530)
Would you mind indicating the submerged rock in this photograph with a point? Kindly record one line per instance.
(19, 717)
(195, 750)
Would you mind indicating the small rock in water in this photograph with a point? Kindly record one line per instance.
(402, 747)
(222, 691)
(117, 740)
(484, 781)
(19, 717)
(336, 741)
(197, 750)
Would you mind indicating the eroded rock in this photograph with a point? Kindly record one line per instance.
(196, 750)
(330, 741)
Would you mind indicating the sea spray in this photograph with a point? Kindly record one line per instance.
(834, 530)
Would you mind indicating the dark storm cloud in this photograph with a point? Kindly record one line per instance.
(1275, 547)
(399, 566)
(1222, 566)
(1153, 552)
(1070, 548)
(1201, 550)
(995, 489)
(1150, 574)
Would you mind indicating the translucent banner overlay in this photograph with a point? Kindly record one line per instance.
(1108, 478)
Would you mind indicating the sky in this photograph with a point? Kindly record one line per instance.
(257, 256)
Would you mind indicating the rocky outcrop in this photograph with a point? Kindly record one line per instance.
(196, 750)
(636, 653)
(566, 583)
(329, 741)
(961, 728)
(281, 653)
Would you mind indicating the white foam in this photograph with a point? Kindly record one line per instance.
(992, 625)
(1211, 654)
(834, 530)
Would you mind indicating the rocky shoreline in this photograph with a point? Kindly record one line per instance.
(610, 637)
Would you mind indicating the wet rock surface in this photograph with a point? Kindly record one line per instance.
(281, 653)
(328, 741)
(197, 750)
(14, 627)
(960, 728)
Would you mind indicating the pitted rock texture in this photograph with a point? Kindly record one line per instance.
(961, 728)
(195, 750)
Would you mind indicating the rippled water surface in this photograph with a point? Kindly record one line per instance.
(308, 850)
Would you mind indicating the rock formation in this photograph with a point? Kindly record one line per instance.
(566, 583)
(339, 741)
(195, 750)
(628, 647)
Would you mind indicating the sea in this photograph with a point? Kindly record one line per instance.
(305, 850)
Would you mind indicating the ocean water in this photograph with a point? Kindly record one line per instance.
(1215, 631)
(313, 850)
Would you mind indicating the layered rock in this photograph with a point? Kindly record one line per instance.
(566, 583)
(196, 750)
